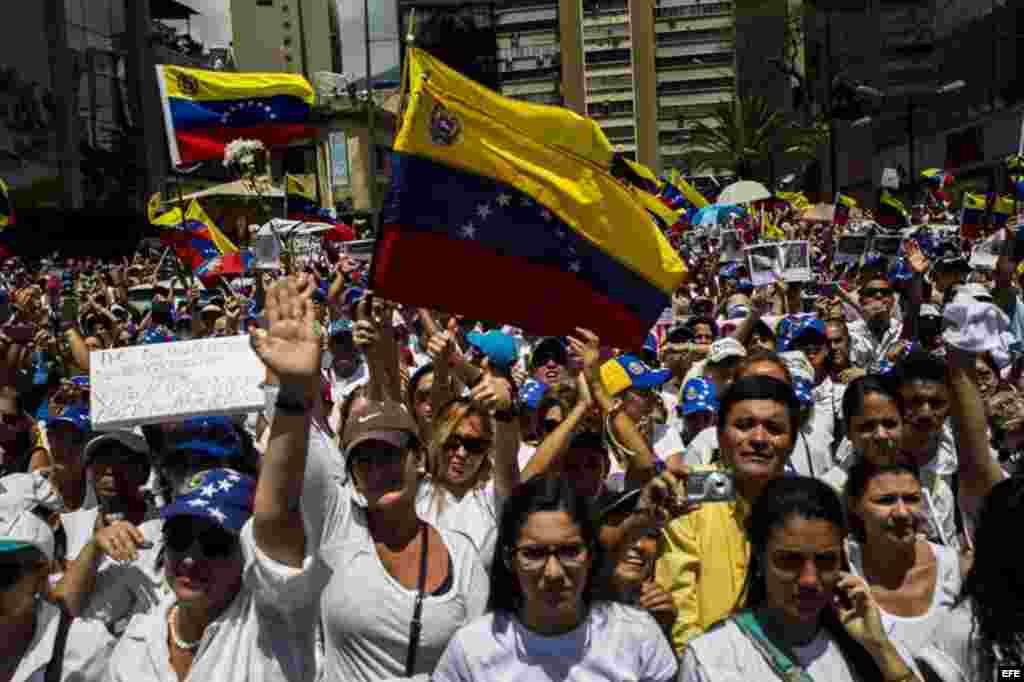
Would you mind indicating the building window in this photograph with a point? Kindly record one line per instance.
(264, 3)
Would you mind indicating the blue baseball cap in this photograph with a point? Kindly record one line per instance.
(900, 271)
(75, 415)
(628, 371)
(533, 392)
(158, 335)
(698, 395)
(729, 271)
(500, 348)
(808, 325)
(745, 286)
(340, 328)
(223, 496)
(211, 436)
(352, 295)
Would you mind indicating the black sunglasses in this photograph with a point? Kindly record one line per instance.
(12, 572)
(474, 446)
(214, 543)
(875, 293)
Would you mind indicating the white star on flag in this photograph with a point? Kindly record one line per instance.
(225, 485)
(208, 490)
(225, 118)
(575, 266)
(468, 231)
(484, 211)
(234, 477)
(218, 514)
(273, 116)
(504, 200)
(197, 503)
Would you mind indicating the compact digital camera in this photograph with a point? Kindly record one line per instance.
(710, 486)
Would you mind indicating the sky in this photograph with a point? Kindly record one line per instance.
(213, 29)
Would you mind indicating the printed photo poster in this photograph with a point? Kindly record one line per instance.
(731, 246)
(796, 261)
(850, 248)
(765, 264)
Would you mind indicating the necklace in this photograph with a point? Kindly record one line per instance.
(172, 624)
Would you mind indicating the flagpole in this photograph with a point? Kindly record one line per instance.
(371, 146)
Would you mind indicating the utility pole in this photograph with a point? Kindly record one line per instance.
(371, 133)
(832, 161)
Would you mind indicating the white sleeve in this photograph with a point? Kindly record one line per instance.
(659, 662)
(325, 500)
(282, 588)
(690, 669)
(452, 667)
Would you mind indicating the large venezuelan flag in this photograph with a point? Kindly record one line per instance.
(505, 210)
(205, 110)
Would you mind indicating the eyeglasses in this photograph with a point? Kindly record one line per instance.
(875, 293)
(12, 572)
(214, 543)
(535, 557)
(474, 446)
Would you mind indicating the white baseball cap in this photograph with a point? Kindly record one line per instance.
(29, 491)
(726, 348)
(21, 529)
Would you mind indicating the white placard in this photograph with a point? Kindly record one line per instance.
(796, 261)
(172, 381)
(986, 254)
(731, 246)
(890, 179)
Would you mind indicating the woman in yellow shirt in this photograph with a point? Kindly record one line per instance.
(704, 562)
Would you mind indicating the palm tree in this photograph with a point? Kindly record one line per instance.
(744, 133)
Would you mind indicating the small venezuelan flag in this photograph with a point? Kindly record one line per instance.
(892, 212)
(1002, 208)
(505, 209)
(6, 207)
(972, 216)
(195, 238)
(844, 205)
(227, 265)
(205, 110)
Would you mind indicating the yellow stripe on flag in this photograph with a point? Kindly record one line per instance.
(220, 240)
(209, 86)
(553, 155)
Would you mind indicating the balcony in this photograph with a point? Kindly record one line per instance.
(693, 99)
(693, 11)
(515, 17)
(694, 49)
(607, 44)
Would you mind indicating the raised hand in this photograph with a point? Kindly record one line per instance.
(587, 346)
(290, 347)
(121, 541)
(365, 330)
(916, 259)
(492, 393)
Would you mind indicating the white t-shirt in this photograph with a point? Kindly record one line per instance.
(475, 515)
(701, 448)
(954, 654)
(615, 643)
(915, 631)
(264, 634)
(525, 454)
(86, 651)
(365, 613)
(726, 655)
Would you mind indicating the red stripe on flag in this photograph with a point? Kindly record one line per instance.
(462, 276)
(209, 144)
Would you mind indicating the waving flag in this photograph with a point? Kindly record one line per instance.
(841, 214)
(972, 216)
(521, 197)
(1002, 208)
(231, 264)
(195, 238)
(688, 190)
(6, 207)
(797, 200)
(205, 110)
(892, 212)
(937, 177)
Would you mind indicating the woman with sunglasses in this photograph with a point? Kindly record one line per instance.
(544, 621)
(396, 587)
(38, 642)
(803, 615)
(234, 612)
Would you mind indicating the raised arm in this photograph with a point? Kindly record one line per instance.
(494, 393)
(291, 351)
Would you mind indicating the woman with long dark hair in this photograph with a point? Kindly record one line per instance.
(543, 620)
(985, 629)
(803, 616)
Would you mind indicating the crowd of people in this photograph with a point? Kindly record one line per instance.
(800, 481)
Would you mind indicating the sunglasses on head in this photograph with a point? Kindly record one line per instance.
(11, 572)
(214, 543)
(474, 446)
(876, 293)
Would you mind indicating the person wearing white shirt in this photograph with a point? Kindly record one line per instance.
(39, 643)
(804, 616)
(543, 622)
(392, 588)
(984, 630)
(236, 613)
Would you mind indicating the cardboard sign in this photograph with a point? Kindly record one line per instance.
(173, 381)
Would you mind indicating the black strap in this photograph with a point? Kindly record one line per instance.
(55, 668)
(417, 624)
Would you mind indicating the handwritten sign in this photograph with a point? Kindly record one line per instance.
(173, 381)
